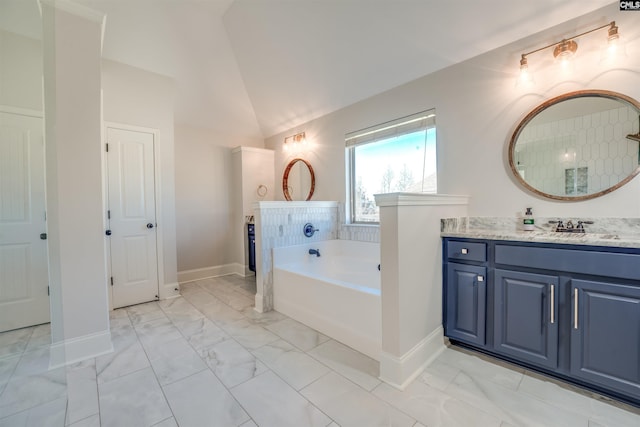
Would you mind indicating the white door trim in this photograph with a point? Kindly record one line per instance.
(158, 200)
(20, 111)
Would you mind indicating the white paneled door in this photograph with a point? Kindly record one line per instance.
(132, 216)
(24, 296)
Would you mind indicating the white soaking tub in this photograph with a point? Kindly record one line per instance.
(337, 293)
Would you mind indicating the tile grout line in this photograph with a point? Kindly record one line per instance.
(269, 370)
(209, 368)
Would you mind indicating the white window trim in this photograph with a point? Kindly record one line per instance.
(404, 125)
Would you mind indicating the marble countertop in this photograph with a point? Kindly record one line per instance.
(614, 232)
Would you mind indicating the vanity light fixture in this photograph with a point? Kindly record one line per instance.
(565, 49)
(294, 141)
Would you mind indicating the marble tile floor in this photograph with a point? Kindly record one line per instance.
(208, 359)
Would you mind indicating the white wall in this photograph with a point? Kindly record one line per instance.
(208, 200)
(20, 71)
(203, 202)
(77, 270)
(478, 106)
(411, 280)
(252, 168)
(136, 97)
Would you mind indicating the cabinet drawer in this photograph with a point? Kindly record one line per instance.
(611, 264)
(470, 251)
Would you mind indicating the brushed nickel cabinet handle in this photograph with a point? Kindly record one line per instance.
(575, 308)
(553, 309)
(480, 278)
(464, 251)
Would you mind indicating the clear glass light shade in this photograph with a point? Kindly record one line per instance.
(295, 142)
(615, 49)
(564, 53)
(525, 77)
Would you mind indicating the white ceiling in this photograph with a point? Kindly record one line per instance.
(253, 68)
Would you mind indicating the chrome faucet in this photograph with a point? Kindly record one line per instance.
(315, 252)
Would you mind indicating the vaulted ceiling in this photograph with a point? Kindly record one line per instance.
(253, 68)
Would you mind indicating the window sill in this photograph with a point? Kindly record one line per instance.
(363, 225)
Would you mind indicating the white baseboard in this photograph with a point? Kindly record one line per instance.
(213, 271)
(170, 290)
(400, 371)
(81, 348)
(259, 303)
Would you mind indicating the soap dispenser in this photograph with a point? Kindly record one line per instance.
(528, 222)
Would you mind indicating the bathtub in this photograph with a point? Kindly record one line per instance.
(337, 293)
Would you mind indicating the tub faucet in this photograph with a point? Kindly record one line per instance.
(315, 252)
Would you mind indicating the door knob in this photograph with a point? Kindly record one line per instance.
(149, 226)
(108, 232)
(43, 236)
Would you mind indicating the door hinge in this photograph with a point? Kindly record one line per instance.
(107, 146)
(108, 214)
(48, 293)
(111, 280)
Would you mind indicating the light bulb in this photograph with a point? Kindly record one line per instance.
(615, 48)
(564, 52)
(525, 77)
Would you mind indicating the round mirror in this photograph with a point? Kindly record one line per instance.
(298, 180)
(577, 146)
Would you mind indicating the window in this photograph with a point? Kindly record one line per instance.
(396, 156)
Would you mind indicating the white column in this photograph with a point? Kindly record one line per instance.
(72, 52)
(411, 273)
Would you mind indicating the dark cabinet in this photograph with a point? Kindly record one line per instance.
(570, 311)
(605, 334)
(251, 242)
(525, 316)
(466, 302)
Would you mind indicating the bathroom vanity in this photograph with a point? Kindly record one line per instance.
(567, 306)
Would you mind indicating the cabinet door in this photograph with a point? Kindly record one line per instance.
(466, 303)
(525, 316)
(605, 335)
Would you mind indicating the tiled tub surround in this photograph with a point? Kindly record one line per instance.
(207, 358)
(616, 232)
(280, 224)
(357, 232)
(337, 293)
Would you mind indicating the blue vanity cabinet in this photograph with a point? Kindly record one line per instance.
(526, 316)
(465, 290)
(466, 303)
(567, 310)
(605, 335)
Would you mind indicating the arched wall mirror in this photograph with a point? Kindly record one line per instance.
(298, 180)
(577, 146)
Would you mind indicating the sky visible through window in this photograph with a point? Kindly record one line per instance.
(406, 163)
